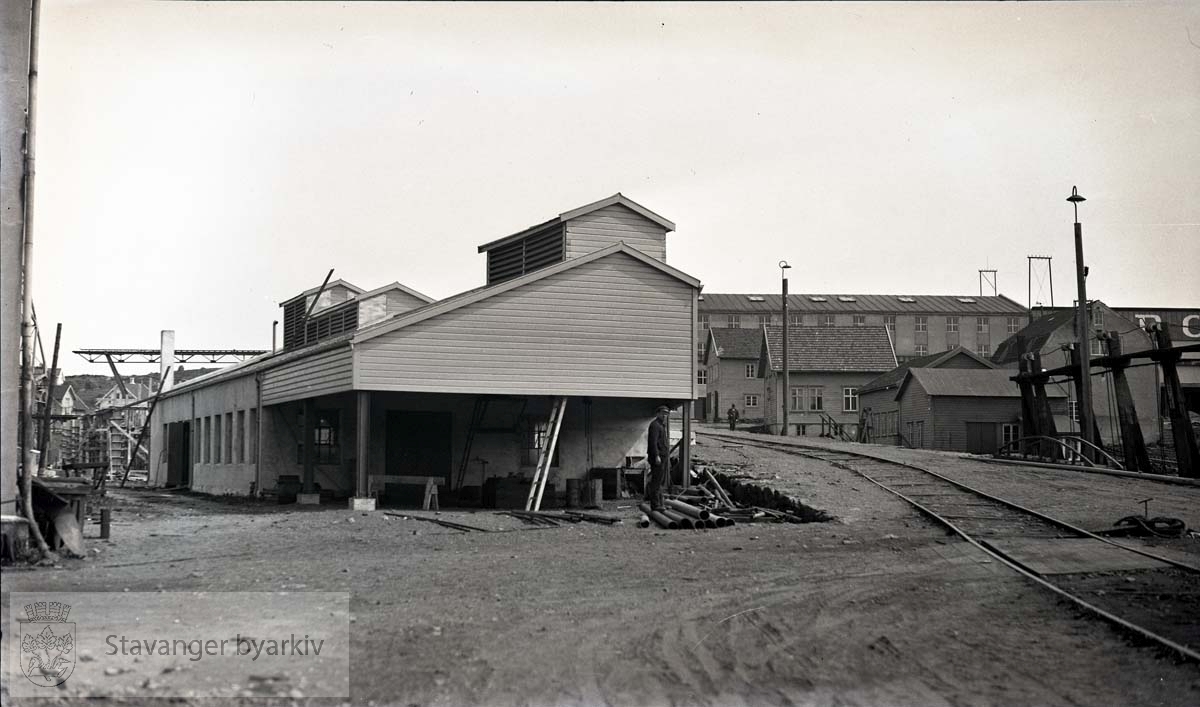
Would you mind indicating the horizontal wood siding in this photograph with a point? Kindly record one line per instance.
(399, 301)
(953, 413)
(611, 327)
(326, 372)
(603, 227)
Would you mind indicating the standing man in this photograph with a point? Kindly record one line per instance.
(733, 417)
(658, 453)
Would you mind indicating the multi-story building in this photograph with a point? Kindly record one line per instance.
(731, 364)
(826, 367)
(919, 324)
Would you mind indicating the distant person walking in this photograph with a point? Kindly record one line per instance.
(658, 453)
(733, 417)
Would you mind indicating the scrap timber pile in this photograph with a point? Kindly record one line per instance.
(709, 506)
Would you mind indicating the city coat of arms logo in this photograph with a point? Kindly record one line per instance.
(47, 643)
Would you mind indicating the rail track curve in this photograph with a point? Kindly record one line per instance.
(1043, 549)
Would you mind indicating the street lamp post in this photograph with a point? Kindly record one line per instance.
(785, 399)
(1083, 325)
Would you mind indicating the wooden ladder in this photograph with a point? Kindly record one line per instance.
(542, 472)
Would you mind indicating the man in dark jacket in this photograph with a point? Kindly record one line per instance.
(658, 453)
(733, 417)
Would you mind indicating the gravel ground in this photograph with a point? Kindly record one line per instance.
(876, 608)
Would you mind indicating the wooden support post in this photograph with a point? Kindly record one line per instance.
(1029, 412)
(1186, 454)
(1133, 444)
(1087, 417)
(310, 426)
(685, 448)
(1045, 414)
(362, 439)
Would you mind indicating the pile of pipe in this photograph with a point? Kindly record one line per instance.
(708, 505)
(682, 515)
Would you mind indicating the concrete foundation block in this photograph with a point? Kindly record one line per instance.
(362, 504)
(308, 499)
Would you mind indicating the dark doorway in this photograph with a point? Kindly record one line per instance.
(179, 456)
(981, 438)
(418, 444)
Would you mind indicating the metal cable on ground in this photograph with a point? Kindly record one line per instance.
(1140, 526)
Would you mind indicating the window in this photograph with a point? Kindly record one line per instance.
(751, 370)
(1014, 325)
(1073, 410)
(733, 321)
(796, 398)
(756, 298)
(795, 320)
(846, 298)
(981, 325)
(701, 376)
(984, 349)
(850, 399)
(1097, 347)
(814, 397)
(751, 401)
(217, 448)
(907, 300)
(227, 450)
(197, 441)
(922, 324)
(253, 433)
(700, 350)
(239, 449)
(889, 321)
(1097, 317)
(827, 320)
(1009, 432)
(920, 350)
(860, 320)
(703, 319)
(764, 319)
(326, 437)
(951, 324)
(818, 298)
(537, 436)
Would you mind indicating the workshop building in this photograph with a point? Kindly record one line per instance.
(582, 307)
(731, 361)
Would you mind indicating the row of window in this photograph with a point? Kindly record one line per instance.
(921, 323)
(811, 398)
(229, 438)
(983, 348)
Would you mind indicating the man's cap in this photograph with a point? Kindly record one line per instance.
(662, 408)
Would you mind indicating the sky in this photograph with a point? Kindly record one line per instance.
(199, 163)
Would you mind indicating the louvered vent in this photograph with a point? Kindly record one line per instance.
(297, 332)
(533, 252)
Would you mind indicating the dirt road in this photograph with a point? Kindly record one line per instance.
(879, 608)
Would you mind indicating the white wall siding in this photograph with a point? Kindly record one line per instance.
(612, 224)
(399, 301)
(614, 327)
(321, 374)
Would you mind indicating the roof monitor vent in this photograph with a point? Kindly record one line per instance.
(906, 299)
(819, 298)
(844, 298)
(966, 300)
(700, 297)
(756, 298)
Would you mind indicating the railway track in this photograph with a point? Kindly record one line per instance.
(1151, 597)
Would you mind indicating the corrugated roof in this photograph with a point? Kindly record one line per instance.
(865, 349)
(893, 377)
(738, 343)
(878, 304)
(968, 382)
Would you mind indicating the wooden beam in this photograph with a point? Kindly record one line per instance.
(1133, 444)
(1186, 454)
(363, 437)
(120, 381)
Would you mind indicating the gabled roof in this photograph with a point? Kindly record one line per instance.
(876, 304)
(833, 349)
(967, 382)
(1036, 334)
(450, 304)
(738, 343)
(395, 286)
(894, 377)
(313, 290)
(617, 198)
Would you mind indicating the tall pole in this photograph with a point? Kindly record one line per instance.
(785, 398)
(1083, 326)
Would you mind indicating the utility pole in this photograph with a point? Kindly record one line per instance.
(786, 398)
(1083, 326)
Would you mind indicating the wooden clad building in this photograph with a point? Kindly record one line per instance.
(461, 388)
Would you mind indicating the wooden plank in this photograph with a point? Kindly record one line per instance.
(1073, 555)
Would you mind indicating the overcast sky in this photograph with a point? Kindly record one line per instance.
(201, 162)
